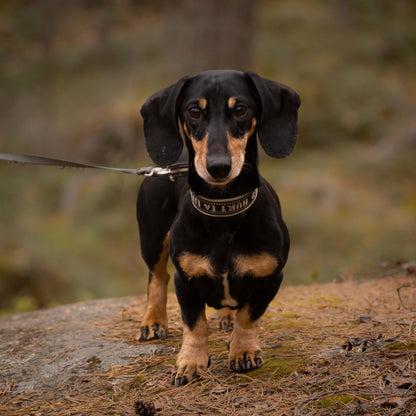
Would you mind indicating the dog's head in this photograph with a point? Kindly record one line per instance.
(218, 112)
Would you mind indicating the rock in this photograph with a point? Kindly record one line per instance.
(47, 349)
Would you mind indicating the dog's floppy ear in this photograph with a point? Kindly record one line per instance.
(163, 140)
(277, 127)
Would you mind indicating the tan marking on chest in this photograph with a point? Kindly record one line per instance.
(258, 265)
(195, 265)
(228, 300)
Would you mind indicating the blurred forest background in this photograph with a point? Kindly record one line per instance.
(74, 74)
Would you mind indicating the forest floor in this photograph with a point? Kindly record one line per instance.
(345, 348)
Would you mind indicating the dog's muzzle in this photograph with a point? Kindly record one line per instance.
(219, 167)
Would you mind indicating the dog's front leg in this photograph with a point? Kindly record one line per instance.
(245, 352)
(193, 358)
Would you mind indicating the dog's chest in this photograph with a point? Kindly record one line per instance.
(225, 260)
(238, 266)
(225, 284)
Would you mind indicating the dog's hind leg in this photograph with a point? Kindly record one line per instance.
(226, 317)
(156, 209)
(155, 321)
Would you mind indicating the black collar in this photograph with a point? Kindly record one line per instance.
(223, 207)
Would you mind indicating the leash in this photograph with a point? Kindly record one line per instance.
(177, 169)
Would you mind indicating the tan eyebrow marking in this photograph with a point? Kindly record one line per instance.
(202, 102)
(231, 102)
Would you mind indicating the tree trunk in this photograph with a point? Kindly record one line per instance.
(207, 35)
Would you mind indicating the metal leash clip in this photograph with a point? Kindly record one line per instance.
(157, 171)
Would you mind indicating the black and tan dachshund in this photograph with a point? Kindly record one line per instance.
(222, 224)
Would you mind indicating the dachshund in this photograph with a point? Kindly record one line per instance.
(221, 224)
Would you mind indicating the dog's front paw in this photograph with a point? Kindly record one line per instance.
(243, 361)
(190, 367)
(244, 352)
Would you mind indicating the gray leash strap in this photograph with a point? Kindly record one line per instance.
(179, 169)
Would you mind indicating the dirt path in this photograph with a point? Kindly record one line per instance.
(332, 349)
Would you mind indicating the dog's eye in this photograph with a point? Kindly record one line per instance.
(195, 112)
(240, 110)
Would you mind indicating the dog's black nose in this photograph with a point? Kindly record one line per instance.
(219, 167)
